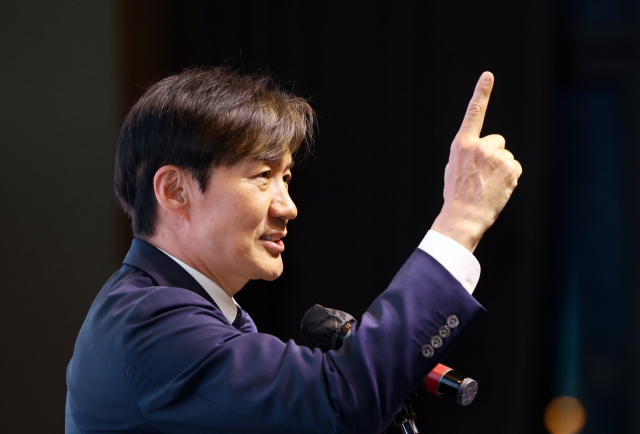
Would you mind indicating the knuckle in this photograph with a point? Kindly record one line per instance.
(516, 165)
(462, 143)
(496, 140)
(483, 90)
(515, 169)
(475, 108)
(484, 150)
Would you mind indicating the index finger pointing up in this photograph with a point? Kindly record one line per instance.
(473, 119)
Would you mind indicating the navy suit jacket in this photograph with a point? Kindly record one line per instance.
(156, 355)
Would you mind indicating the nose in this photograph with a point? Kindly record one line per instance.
(282, 205)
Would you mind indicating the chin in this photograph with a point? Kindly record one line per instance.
(271, 271)
(271, 275)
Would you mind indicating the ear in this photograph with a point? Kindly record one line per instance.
(173, 189)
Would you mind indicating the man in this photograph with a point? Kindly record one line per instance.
(202, 167)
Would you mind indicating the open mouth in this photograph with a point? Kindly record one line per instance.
(273, 243)
(270, 238)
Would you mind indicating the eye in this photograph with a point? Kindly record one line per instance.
(265, 174)
(287, 179)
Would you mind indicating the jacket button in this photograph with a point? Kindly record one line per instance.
(453, 321)
(444, 332)
(428, 351)
(436, 341)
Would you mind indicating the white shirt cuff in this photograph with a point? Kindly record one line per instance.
(457, 260)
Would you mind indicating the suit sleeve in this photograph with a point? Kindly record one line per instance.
(189, 372)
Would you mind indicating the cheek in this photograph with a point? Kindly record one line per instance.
(235, 223)
(218, 230)
(251, 219)
(243, 232)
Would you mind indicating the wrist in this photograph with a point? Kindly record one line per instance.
(463, 227)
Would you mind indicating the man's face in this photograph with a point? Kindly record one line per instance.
(238, 224)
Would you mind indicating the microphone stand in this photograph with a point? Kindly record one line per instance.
(406, 417)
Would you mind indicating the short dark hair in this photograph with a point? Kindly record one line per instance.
(198, 120)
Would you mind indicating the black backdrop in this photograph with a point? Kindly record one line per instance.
(390, 82)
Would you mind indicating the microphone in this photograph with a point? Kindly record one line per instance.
(444, 381)
(326, 329)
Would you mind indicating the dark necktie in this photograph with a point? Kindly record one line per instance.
(244, 323)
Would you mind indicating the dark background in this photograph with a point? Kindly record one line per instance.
(390, 82)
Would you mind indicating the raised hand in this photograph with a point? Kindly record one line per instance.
(480, 176)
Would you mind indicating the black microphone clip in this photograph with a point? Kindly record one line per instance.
(326, 328)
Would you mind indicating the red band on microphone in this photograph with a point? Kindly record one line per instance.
(432, 381)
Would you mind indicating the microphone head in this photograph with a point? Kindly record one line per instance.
(323, 328)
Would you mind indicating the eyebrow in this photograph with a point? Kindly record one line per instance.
(272, 163)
